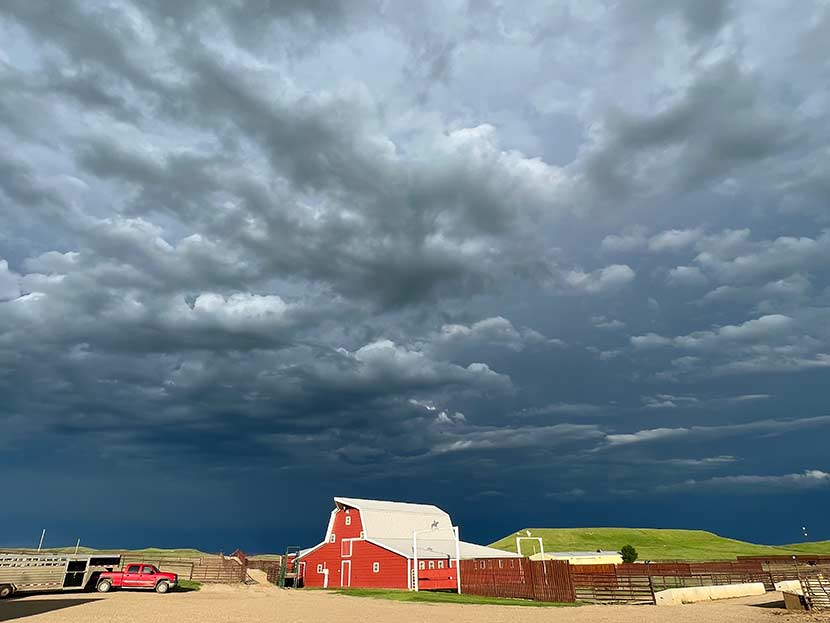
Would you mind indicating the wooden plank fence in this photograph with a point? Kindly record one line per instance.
(209, 569)
(518, 578)
(632, 583)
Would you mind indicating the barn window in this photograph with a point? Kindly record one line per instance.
(362, 534)
(440, 564)
(348, 520)
(333, 538)
(511, 564)
(500, 564)
(421, 564)
(483, 564)
(375, 567)
(432, 564)
(320, 568)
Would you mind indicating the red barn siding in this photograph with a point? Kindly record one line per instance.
(341, 530)
(393, 568)
(392, 572)
(437, 578)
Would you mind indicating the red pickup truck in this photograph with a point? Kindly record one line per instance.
(137, 575)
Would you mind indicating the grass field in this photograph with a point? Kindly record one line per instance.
(443, 598)
(654, 544)
(187, 586)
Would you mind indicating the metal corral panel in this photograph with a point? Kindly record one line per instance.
(816, 588)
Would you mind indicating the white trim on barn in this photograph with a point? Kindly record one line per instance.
(330, 527)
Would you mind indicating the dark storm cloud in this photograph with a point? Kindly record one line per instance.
(95, 33)
(404, 250)
(251, 22)
(722, 122)
(428, 225)
(700, 18)
(19, 184)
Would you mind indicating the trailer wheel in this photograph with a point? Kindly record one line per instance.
(104, 586)
(162, 587)
(6, 590)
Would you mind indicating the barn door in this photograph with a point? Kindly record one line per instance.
(346, 573)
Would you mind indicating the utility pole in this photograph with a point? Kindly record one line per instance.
(77, 545)
(40, 545)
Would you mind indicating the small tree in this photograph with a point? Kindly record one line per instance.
(628, 553)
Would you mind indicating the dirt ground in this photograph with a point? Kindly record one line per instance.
(255, 604)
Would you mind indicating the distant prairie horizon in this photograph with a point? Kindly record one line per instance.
(650, 543)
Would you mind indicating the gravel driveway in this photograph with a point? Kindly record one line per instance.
(254, 604)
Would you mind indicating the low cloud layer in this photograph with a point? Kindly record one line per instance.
(754, 484)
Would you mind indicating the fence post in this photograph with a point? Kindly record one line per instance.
(651, 587)
(531, 575)
(569, 575)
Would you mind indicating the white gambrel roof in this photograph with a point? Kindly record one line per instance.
(391, 524)
(395, 520)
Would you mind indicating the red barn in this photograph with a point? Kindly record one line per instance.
(369, 544)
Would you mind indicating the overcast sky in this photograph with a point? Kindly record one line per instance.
(539, 263)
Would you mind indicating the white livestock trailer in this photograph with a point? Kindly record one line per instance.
(21, 572)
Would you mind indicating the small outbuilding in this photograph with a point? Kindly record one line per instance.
(599, 557)
(378, 544)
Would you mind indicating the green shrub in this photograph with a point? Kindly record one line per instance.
(629, 554)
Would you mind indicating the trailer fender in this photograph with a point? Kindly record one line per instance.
(92, 582)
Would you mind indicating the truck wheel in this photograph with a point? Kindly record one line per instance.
(162, 587)
(6, 590)
(104, 586)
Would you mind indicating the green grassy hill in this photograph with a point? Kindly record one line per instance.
(654, 544)
(147, 552)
